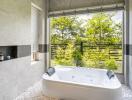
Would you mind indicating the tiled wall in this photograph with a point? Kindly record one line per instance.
(130, 43)
(15, 29)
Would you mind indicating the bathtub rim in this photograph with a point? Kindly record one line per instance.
(81, 85)
(77, 84)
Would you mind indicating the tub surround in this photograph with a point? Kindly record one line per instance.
(81, 84)
(35, 92)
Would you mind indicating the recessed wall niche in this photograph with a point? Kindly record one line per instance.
(8, 52)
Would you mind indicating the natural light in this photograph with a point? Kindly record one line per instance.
(88, 40)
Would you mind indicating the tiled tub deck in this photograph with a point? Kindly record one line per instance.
(35, 93)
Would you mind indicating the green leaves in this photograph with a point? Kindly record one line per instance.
(66, 27)
(102, 29)
(111, 64)
(65, 56)
(99, 29)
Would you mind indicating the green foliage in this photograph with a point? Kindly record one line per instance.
(66, 28)
(111, 64)
(55, 38)
(100, 29)
(99, 59)
(77, 57)
(65, 57)
(77, 54)
(95, 58)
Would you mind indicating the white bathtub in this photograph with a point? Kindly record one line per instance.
(82, 84)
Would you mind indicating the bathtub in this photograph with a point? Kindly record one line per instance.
(81, 84)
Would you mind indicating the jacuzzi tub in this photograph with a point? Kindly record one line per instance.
(81, 84)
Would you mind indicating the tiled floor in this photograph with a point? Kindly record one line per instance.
(127, 93)
(35, 93)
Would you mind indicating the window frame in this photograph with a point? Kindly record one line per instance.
(121, 75)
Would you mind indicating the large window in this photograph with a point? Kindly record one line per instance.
(88, 40)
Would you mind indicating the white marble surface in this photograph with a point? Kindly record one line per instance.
(35, 93)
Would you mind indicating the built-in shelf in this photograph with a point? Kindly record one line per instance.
(9, 52)
(14, 52)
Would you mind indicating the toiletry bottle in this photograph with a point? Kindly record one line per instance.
(1, 56)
